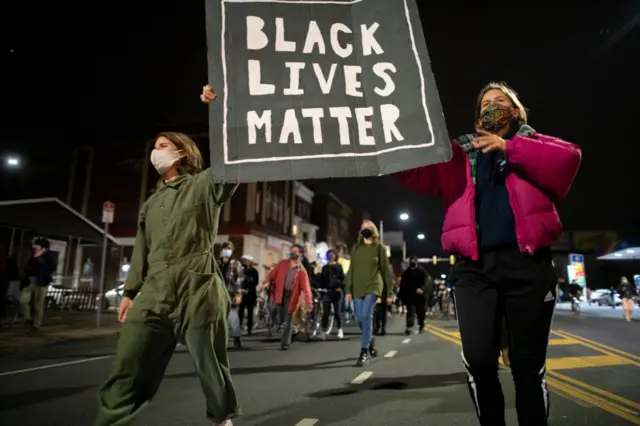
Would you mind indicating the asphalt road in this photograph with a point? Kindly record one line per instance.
(416, 380)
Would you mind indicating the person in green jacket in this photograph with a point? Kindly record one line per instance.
(369, 276)
(175, 291)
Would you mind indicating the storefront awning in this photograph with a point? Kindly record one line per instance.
(625, 250)
(50, 217)
(626, 254)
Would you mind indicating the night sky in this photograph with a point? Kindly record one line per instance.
(102, 72)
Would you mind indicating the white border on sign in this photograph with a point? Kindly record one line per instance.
(307, 157)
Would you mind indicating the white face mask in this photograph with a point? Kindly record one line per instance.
(163, 160)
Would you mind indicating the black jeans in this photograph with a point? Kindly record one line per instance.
(286, 318)
(334, 300)
(521, 289)
(416, 307)
(381, 314)
(247, 305)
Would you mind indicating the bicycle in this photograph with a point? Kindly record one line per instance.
(575, 305)
(447, 307)
(314, 321)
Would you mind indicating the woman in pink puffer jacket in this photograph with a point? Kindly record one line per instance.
(499, 192)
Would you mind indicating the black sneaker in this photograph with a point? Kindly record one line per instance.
(373, 352)
(285, 347)
(383, 332)
(363, 359)
(407, 331)
(237, 343)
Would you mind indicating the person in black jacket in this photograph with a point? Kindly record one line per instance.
(38, 274)
(415, 287)
(628, 294)
(250, 281)
(332, 279)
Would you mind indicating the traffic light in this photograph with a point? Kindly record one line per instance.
(452, 259)
(435, 260)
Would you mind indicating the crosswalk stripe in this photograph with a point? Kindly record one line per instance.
(362, 377)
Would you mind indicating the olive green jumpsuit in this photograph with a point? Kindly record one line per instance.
(181, 297)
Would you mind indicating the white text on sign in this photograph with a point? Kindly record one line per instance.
(315, 43)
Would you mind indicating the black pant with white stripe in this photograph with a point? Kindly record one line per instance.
(520, 288)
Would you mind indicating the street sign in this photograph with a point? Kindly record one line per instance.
(107, 212)
(576, 258)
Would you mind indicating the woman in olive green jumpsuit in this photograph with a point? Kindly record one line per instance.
(179, 292)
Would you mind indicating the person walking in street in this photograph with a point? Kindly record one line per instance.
(369, 274)
(628, 293)
(175, 291)
(499, 191)
(332, 280)
(38, 274)
(250, 282)
(291, 282)
(232, 272)
(415, 287)
(381, 312)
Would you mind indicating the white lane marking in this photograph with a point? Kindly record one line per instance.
(406, 341)
(62, 364)
(307, 422)
(362, 377)
(390, 354)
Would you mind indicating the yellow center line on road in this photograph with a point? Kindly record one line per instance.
(594, 389)
(555, 342)
(613, 408)
(573, 362)
(584, 341)
(575, 389)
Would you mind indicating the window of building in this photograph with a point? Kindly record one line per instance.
(258, 199)
(274, 207)
(267, 199)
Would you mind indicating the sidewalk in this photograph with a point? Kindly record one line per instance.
(598, 311)
(59, 327)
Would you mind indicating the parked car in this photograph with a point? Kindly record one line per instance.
(605, 299)
(111, 299)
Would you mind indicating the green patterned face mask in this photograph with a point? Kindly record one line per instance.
(496, 117)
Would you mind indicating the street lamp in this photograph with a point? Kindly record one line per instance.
(443, 276)
(404, 217)
(13, 162)
(421, 236)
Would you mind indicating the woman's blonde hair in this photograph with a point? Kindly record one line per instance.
(191, 161)
(510, 93)
(374, 229)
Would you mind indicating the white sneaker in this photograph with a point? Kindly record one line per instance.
(224, 423)
(323, 335)
(340, 334)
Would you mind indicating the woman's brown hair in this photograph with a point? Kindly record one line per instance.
(510, 93)
(191, 161)
(374, 229)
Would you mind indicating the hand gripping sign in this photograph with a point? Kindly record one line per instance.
(320, 88)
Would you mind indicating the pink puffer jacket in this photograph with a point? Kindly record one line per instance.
(540, 171)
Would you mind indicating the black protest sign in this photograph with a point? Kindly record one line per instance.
(316, 89)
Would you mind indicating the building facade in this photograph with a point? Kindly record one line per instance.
(262, 219)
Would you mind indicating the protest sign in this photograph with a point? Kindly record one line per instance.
(317, 89)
